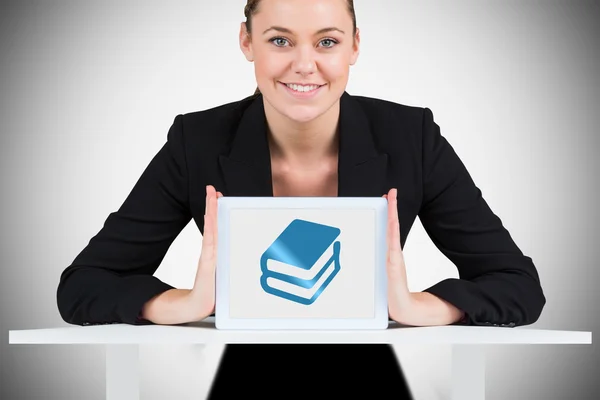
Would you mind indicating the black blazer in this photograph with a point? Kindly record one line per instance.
(382, 145)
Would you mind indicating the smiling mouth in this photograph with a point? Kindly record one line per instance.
(294, 88)
(314, 84)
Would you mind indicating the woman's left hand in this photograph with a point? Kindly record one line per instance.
(399, 297)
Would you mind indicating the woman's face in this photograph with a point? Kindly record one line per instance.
(287, 48)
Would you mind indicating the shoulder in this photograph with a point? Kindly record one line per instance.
(389, 117)
(211, 129)
(379, 107)
(393, 121)
(223, 114)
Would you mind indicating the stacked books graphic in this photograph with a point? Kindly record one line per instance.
(301, 262)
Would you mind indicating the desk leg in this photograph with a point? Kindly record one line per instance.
(210, 362)
(122, 372)
(468, 372)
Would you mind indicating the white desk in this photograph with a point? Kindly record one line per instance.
(122, 350)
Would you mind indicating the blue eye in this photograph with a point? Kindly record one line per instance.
(279, 38)
(330, 40)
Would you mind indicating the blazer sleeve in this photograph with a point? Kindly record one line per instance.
(112, 277)
(497, 284)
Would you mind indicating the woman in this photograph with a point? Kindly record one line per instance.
(301, 134)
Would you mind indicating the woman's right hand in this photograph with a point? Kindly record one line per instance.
(202, 296)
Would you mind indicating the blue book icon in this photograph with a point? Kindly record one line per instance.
(301, 262)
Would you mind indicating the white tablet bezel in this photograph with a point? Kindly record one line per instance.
(226, 204)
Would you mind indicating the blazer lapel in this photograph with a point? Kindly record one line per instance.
(247, 168)
(361, 168)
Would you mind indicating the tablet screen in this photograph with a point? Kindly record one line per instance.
(301, 263)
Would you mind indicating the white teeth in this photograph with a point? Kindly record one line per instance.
(299, 88)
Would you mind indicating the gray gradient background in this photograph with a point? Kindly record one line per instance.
(90, 88)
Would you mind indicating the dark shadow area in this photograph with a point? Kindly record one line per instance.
(309, 370)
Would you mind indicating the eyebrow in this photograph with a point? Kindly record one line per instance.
(286, 30)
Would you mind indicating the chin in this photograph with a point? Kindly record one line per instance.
(303, 114)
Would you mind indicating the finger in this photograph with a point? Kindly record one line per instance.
(210, 190)
(216, 224)
(393, 232)
(395, 208)
(207, 239)
(390, 241)
(391, 206)
(206, 200)
(213, 219)
(209, 194)
(395, 222)
(212, 207)
(388, 228)
(395, 255)
(207, 233)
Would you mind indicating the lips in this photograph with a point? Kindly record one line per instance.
(303, 84)
(302, 95)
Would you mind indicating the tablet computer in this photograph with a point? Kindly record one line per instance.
(301, 263)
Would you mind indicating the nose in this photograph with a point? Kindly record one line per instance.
(304, 62)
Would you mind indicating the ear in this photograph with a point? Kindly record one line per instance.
(355, 48)
(246, 43)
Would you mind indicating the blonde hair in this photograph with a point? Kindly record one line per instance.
(252, 8)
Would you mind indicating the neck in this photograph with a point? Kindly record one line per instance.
(303, 144)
